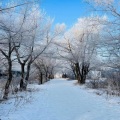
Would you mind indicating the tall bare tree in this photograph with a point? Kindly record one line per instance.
(8, 32)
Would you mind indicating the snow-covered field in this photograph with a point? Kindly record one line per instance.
(59, 99)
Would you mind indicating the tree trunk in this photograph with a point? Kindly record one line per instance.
(9, 80)
(83, 78)
(27, 75)
(46, 75)
(74, 73)
(40, 78)
(84, 72)
(22, 76)
(81, 73)
(78, 75)
(28, 72)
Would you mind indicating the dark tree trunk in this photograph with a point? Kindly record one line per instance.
(40, 78)
(78, 75)
(46, 75)
(27, 74)
(84, 72)
(52, 74)
(83, 78)
(73, 70)
(9, 80)
(22, 76)
(81, 72)
(74, 73)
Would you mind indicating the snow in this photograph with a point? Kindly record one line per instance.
(59, 99)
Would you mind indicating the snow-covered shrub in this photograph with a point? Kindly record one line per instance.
(96, 84)
(113, 81)
(111, 84)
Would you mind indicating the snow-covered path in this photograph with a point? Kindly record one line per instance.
(61, 100)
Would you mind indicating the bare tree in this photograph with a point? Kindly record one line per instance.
(45, 68)
(110, 38)
(34, 38)
(9, 38)
(8, 32)
(109, 48)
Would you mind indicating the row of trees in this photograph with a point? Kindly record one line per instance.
(46, 68)
(28, 38)
(93, 42)
(25, 34)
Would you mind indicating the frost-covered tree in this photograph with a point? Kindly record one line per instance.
(45, 67)
(111, 34)
(17, 33)
(9, 30)
(79, 45)
(35, 37)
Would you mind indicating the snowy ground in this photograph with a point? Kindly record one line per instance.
(59, 100)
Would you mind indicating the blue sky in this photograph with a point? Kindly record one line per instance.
(65, 11)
